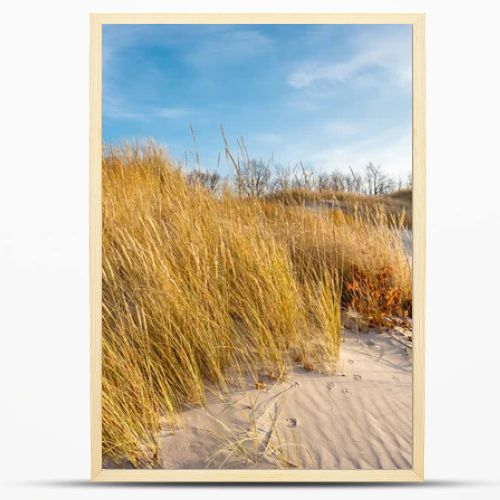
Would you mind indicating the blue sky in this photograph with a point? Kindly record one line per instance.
(332, 96)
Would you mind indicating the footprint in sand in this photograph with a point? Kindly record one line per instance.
(395, 378)
(330, 386)
(292, 422)
(356, 377)
(351, 361)
(345, 391)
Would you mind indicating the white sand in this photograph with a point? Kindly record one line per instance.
(359, 418)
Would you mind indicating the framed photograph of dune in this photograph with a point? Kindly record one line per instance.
(257, 247)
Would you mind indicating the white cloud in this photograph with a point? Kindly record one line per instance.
(267, 138)
(171, 112)
(122, 114)
(116, 108)
(392, 150)
(391, 55)
(231, 45)
(341, 129)
(393, 154)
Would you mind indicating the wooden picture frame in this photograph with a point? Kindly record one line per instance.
(414, 474)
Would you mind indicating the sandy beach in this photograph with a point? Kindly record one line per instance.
(357, 418)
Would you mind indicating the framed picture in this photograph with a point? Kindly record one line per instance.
(257, 246)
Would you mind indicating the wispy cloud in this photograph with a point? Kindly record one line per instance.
(394, 154)
(208, 44)
(388, 55)
(329, 95)
(229, 46)
(341, 128)
(266, 138)
(116, 108)
(171, 112)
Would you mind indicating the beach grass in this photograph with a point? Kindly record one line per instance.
(201, 287)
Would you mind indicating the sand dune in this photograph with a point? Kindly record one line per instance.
(358, 418)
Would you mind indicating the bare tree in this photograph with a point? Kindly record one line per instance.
(282, 177)
(354, 182)
(409, 181)
(324, 181)
(377, 182)
(303, 176)
(209, 180)
(258, 175)
(253, 177)
(257, 178)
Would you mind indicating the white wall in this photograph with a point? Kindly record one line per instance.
(44, 238)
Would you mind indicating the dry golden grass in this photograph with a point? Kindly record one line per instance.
(396, 207)
(198, 287)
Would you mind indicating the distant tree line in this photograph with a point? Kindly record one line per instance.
(257, 178)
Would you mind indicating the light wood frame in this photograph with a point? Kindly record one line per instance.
(417, 472)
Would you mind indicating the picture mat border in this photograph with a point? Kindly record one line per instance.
(95, 224)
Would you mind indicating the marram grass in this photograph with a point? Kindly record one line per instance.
(198, 288)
